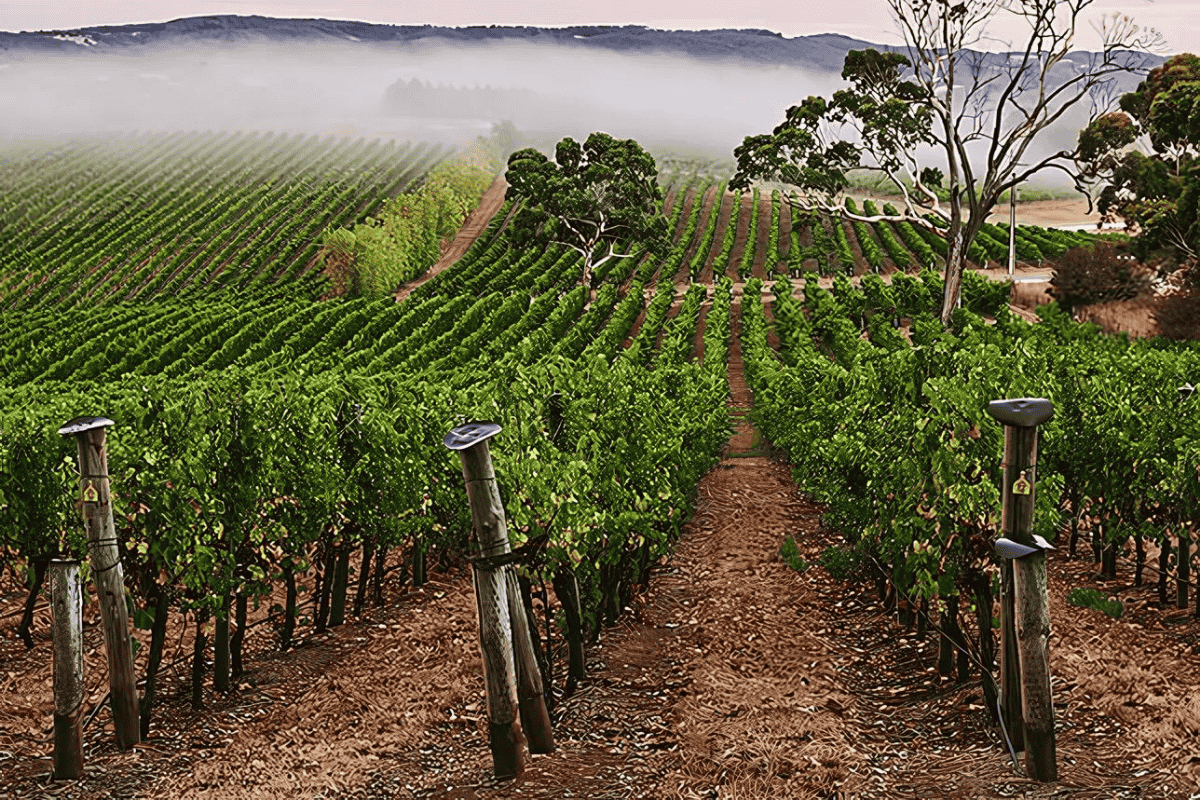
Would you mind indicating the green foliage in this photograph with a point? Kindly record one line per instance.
(590, 198)
(710, 230)
(1158, 193)
(225, 477)
(895, 251)
(379, 254)
(866, 243)
(824, 246)
(843, 563)
(916, 244)
(984, 296)
(789, 553)
(886, 109)
(746, 265)
(773, 240)
(140, 218)
(1087, 597)
(842, 251)
(896, 442)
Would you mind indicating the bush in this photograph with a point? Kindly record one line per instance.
(1178, 316)
(1086, 275)
(380, 253)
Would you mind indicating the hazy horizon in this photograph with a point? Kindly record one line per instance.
(867, 19)
(669, 102)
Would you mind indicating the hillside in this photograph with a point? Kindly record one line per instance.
(823, 53)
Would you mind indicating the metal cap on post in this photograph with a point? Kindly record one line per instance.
(81, 424)
(1010, 549)
(469, 435)
(1024, 412)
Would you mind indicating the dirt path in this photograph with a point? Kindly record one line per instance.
(764, 261)
(476, 222)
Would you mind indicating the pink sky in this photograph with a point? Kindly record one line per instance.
(1178, 20)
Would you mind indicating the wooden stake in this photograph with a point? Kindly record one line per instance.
(511, 665)
(531, 696)
(67, 601)
(107, 573)
(1016, 517)
(1033, 646)
(495, 627)
(221, 647)
(1010, 663)
(1029, 614)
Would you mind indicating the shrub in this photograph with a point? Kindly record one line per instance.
(1178, 316)
(1096, 274)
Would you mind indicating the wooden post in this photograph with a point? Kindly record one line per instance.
(507, 624)
(1033, 647)
(1012, 228)
(531, 696)
(1028, 633)
(489, 531)
(221, 647)
(107, 574)
(67, 601)
(1010, 665)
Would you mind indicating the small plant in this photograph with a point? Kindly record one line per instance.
(790, 554)
(842, 564)
(1086, 275)
(1086, 597)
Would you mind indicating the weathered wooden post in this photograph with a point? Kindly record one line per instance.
(1012, 228)
(1183, 566)
(499, 616)
(1025, 625)
(67, 603)
(106, 571)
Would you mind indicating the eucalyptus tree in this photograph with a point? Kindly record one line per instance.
(592, 198)
(1144, 157)
(981, 112)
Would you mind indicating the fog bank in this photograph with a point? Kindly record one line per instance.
(666, 102)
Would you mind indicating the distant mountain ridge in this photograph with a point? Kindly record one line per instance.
(823, 52)
(420, 81)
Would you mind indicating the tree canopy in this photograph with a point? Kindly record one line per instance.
(980, 111)
(592, 198)
(1145, 158)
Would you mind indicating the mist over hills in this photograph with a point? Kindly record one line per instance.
(686, 92)
(823, 52)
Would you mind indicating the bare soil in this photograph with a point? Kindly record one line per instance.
(745, 209)
(763, 261)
